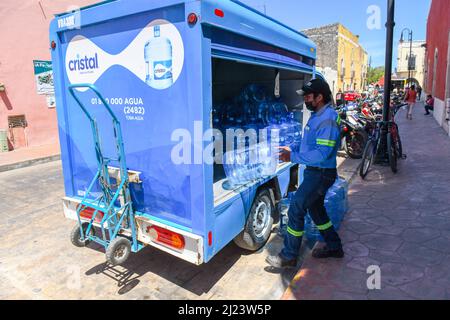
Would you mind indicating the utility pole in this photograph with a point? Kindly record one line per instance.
(410, 58)
(388, 63)
(410, 37)
(387, 77)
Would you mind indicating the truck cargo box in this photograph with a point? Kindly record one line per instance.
(161, 71)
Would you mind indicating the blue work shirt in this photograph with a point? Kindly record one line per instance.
(321, 140)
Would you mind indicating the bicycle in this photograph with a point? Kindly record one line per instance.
(394, 144)
(371, 149)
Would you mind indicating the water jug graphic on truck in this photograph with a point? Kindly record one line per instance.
(158, 57)
(163, 78)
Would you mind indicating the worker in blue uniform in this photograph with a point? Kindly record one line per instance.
(318, 151)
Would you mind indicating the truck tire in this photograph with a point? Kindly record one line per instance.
(259, 223)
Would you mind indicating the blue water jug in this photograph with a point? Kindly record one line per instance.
(253, 93)
(283, 209)
(336, 207)
(248, 164)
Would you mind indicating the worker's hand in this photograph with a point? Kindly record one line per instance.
(284, 154)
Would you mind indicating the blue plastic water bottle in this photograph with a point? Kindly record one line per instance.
(158, 59)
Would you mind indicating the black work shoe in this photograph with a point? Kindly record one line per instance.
(325, 252)
(280, 262)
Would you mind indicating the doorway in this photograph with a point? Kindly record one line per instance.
(17, 134)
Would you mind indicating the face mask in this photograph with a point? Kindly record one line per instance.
(310, 107)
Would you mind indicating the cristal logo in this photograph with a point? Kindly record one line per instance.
(163, 70)
(85, 63)
(160, 70)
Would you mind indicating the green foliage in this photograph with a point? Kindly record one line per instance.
(374, 74)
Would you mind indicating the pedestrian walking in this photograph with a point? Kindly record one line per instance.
(318, 151)
(411, 97)
(419, 92)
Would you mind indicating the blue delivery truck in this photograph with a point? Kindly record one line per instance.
(137, 83)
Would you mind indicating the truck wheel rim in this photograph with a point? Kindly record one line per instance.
(261, 219)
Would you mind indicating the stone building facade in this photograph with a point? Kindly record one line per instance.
(417, 61)
(339, 49)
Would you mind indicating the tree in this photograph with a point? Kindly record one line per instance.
(374, 74)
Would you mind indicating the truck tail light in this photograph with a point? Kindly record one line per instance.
(166, 237)
(219, 13)
(210, 239)
(87, 213)
(192, 19)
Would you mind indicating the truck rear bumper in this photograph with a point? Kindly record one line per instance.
(194, 244)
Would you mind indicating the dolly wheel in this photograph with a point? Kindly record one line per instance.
(118, 251)
(75, 235)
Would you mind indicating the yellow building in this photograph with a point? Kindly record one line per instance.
(352, 61)
(339, 49)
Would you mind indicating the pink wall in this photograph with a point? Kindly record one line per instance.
(438, 28)
(24, 34)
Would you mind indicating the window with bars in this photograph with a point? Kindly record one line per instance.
(412, 63)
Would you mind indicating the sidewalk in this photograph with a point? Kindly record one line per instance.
(28, 156)
(400, 223)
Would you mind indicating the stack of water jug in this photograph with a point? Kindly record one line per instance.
(249, 164)
(272, 126)
(336, 205)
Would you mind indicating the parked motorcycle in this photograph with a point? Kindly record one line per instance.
(353, 133)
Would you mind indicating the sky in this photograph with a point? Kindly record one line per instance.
(359, 16)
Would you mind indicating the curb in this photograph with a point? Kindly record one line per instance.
(349, 169)
(29, 163)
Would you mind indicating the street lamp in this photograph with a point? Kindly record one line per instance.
(410, 35)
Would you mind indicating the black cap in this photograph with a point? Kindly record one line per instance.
(317, 86)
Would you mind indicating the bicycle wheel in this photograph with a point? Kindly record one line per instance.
(398, 143)
(392, 152)
(367, 158)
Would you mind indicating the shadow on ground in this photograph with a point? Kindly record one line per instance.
(198, 280)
